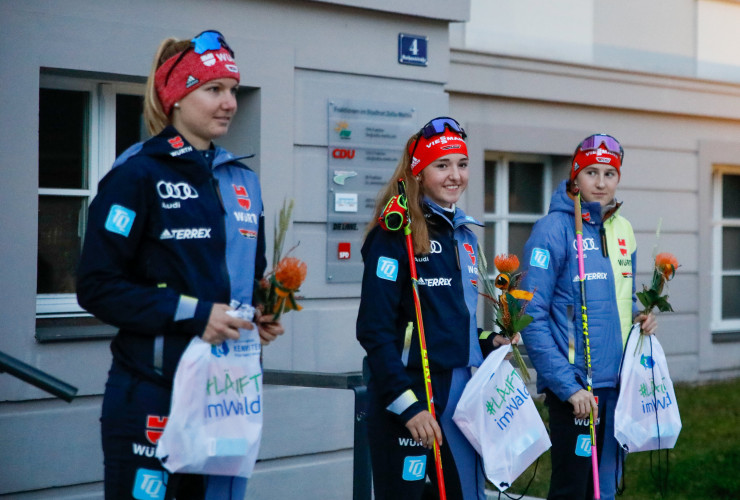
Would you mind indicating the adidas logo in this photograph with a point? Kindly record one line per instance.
(191, 81)
(166, 235)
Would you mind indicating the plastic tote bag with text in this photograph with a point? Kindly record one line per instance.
(497, 415)
(646, 417)
(215, 422)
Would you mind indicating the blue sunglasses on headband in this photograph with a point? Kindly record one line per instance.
(205, 41)
(597, 140)
(436, 127)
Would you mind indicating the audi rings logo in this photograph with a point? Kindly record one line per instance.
(588, 244)
(436, 246)
(179, 191)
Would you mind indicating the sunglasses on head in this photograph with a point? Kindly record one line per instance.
(207, 40)
(436, 127)
(597, 140)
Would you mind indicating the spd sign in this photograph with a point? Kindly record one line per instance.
(412, 49)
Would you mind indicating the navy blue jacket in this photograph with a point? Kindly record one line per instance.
(154, 260)
(386, 325)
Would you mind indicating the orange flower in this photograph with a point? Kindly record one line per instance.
(666, 264)
(506, 263)
(521, 294)
(290, 273)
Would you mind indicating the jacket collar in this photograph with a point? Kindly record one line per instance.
(458, 219)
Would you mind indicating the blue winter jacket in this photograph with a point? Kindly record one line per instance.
(154, 260)
(554, 339)
(386, 325)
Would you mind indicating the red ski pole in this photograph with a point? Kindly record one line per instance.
(395, 216)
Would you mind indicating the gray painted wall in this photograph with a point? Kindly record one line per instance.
(667, 127)
(294, 56)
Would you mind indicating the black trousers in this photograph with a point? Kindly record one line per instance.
(401, 466)
(572, 471)
(134, 414)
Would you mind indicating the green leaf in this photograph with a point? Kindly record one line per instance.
(514, 305)
(663, 305)
(520, 323)
(644, 300)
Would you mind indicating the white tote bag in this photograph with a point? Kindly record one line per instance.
(497, 415)
(215, 421)
(646, 417)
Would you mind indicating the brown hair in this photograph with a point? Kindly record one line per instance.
(154, 115)
(414, 198)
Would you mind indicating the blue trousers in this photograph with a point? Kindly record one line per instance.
(134, 414)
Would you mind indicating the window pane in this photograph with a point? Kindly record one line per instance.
(730, 246)
(518, 236)
(130, 127)
(59, 243)
(525, 187)
(731, 196)
(489, 243)
(731, 297)
(490, 187)
(63, 138)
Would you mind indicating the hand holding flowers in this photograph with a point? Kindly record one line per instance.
(276, 291)
(663, 271)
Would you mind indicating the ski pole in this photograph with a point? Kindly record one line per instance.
(587, 343)
(396, 208)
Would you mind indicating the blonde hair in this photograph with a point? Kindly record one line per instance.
(154, 117)
(414, 199)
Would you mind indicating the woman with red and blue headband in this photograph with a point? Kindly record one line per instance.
(175, 236)
(402, 432)
(577, 360)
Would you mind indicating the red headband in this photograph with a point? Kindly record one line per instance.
(191, 72)
(428, 150)
(589, 157)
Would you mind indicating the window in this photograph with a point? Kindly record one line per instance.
(517, 194)
(83, 126)
(726, 241)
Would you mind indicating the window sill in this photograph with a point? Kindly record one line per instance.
(71, 329)
(725, 337)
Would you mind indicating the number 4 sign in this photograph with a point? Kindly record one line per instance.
(412, 49)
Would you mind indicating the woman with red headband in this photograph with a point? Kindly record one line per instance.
(175, 237)
(402, 432)
(555, 339)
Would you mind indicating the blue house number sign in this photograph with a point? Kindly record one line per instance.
(412, 49)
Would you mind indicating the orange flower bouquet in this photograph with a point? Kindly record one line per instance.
(508, 302)
(276, 291)
(664, 271)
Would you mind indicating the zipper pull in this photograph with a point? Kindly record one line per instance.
(602, 233)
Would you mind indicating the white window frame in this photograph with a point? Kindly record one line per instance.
(718, 223)
(101, 140)
(501, 217)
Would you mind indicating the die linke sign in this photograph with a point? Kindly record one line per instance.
(412, 49)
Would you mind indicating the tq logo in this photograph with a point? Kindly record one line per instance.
(178, 191)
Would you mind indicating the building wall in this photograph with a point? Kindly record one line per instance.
(527, 78)
(294, 57)
(523, 77)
